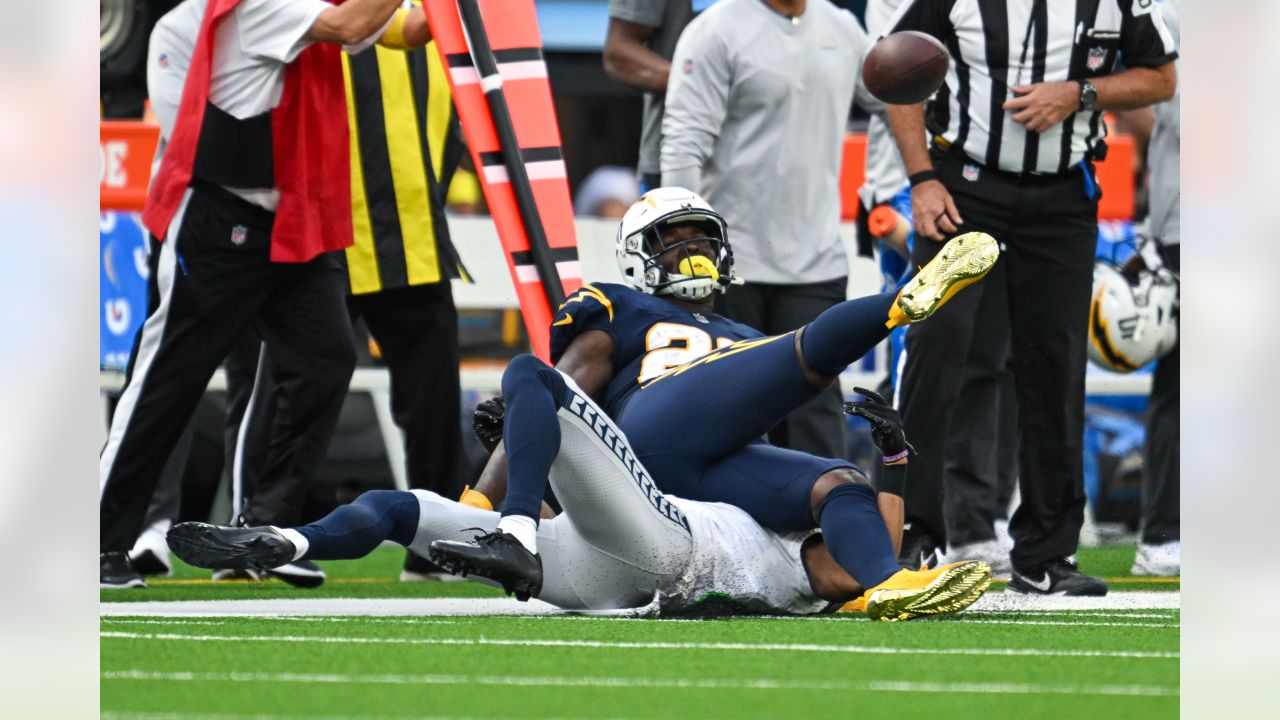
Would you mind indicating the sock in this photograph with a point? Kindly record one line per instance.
(855, 534)
(354, 530)
(530, 433)
(300, 543)
(845, 332)
(521, 528)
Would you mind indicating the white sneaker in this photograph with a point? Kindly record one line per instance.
(988, 551)
(1163, 560)
(150, 554)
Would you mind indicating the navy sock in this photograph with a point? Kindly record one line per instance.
(530, 433)
(845, 332)
(354, 530)
(855, 534)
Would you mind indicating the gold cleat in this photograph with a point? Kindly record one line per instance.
(909, 594)
(964, 260)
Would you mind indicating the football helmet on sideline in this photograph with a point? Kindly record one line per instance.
(640, 246)
(1133, 317)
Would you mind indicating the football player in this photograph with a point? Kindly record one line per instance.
(695, 392)
(619, 544)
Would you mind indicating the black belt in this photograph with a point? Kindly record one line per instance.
(1098, 152)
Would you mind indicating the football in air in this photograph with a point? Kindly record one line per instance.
(905, 68)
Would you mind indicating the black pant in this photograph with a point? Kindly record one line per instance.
(416, 329)
(214, 278)
(1161, 476)
(1048, 230)
(817, 427)
(981, 457)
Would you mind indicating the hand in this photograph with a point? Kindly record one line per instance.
(487, 422)
(886, 425)
(1041, 106)
(933, 211)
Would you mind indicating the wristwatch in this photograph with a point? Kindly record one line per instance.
(1088, 95)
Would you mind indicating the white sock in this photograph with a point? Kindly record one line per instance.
(300, 543)
(523, 529)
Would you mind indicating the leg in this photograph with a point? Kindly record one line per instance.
(790, 491)
(1160, 552)
(818, 426)
(241, 368)
(202, 307)
(417, 329)
(1050, 261)
(971, 469)
(308, 338)
(736, 394)
(556, 432)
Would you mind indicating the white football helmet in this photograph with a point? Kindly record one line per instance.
(1132, 319)
(640, 246)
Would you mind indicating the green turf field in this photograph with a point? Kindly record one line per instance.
(1103, 663)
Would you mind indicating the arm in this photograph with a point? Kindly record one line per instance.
(589, 361)
(933, 212)
(407, 30)
(696, 104)
(352, 21)
(629, 62)
(1043, 105)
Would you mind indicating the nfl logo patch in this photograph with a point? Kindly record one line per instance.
(238, 234)
(971, 173)
(1097, 56)
(163, 60)
(687, 66)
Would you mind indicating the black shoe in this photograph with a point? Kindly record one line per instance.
(115, 572)
(299, 573)
(495, 556)
(219, 547)
(1057, 577)
(919, 550)
(420, 569)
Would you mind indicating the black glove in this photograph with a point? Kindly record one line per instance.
(487, 422)
(886, 425)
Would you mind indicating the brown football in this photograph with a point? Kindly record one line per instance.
(905, 67)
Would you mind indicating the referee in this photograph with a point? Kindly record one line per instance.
(1015, 130)
(244, 201)
(405, 145)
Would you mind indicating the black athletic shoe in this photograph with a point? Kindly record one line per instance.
(495, 556)
(115, 572)
(299, 573)
(1057, 577)
(219, 547)
(919, 550)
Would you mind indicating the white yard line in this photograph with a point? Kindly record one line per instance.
(643, 682)
(771, 647)
(969, 618)
(419, 607)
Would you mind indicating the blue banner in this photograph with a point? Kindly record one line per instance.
(123, 288)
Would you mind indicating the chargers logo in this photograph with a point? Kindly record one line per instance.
(117, 314)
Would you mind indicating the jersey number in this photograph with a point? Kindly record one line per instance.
(669, 345)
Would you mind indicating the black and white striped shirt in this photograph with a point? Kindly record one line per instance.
(998, 44)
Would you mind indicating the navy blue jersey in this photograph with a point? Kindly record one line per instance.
(650, 335)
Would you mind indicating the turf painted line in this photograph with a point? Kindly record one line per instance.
(642, 682)
(991, 602)
(769, 647)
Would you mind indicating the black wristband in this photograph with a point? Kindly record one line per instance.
(922, 176)
(893, 479)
